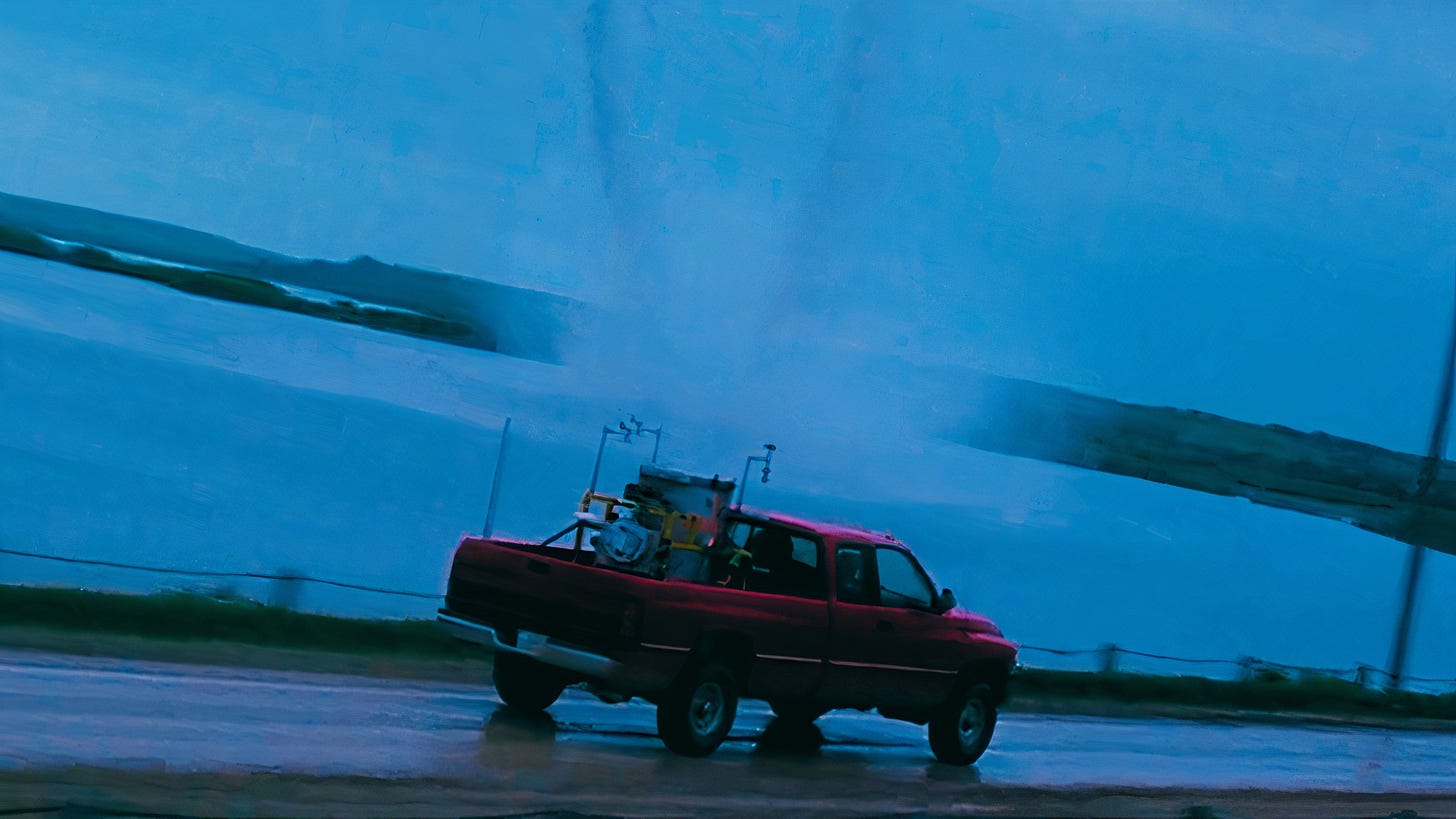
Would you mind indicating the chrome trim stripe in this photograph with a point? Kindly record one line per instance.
(886, 667)
(665, 648)
(788, 659)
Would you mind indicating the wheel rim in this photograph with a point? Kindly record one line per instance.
(972, 723)
(706, 712)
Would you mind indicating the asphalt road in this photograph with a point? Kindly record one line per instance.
(61, 711)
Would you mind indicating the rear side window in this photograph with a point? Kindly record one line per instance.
(852, 574)
(902, 583)
(781, 561)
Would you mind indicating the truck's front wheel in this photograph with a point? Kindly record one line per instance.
(526, 684)
(696, 714)
(961, 729)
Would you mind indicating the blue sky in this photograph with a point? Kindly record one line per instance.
(800, 215)
(1238, 208)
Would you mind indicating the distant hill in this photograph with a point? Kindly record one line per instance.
(445, 307)
(1366, 486)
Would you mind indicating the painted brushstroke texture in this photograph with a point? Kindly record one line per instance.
(1312, 473)
(459, 310)
(1352, 482)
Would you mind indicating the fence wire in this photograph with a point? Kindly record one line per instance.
(205, 573)
(1249, 663)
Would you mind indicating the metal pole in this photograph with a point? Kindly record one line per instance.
(495, 482)
(597, 467)
(1415, 561)
(766, 458)
(634, 427)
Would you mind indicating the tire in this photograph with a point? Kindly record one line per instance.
(695, 715)
(961, 729)
(796, 711)
(524, 683)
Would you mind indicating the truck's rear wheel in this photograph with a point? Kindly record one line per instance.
(695, 715)
(796, 711)
(961, 729)
(526, 684)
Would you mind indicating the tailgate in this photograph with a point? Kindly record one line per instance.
(509, 587)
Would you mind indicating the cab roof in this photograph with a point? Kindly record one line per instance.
(836, 531)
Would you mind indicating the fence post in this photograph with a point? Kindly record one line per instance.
(1108, 652)
(286, 590)
(1248, 666)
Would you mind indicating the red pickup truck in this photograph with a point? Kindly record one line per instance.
(807, 616)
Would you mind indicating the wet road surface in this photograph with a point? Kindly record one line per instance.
(62, 710)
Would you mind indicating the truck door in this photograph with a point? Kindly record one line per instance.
(785, 607)
(882, 650)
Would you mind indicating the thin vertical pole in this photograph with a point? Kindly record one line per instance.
(1415, 561)
(597, 467)
(765, 459)
(743, 484)
(1413, 564)
(495, 482)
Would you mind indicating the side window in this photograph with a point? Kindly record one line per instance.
(734, 535)
(902, 583)
(783, 562)
(806, 552)
(851, 574)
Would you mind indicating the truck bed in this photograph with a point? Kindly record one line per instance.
(515, 586)
(553, 590)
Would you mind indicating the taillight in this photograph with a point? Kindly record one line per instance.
(630, 625)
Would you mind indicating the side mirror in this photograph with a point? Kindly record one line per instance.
(946, 601)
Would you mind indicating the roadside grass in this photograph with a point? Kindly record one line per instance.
(200, 619)
(1311, 694)
(193, 617)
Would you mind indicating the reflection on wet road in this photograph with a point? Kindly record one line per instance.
(63, 710)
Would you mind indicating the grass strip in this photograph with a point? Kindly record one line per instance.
(191, 617)
(197, 618)
(1267, 691)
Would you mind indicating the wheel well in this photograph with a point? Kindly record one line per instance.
(995, 673)
(733, 650)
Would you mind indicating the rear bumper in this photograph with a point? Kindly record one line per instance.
(537, 646)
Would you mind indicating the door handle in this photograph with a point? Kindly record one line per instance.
(884, 625)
